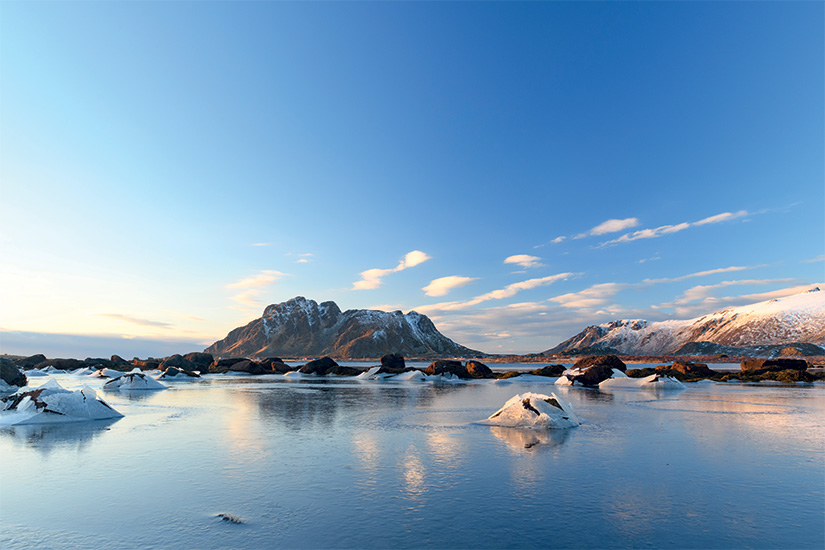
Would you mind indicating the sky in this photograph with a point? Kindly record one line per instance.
(514, 170)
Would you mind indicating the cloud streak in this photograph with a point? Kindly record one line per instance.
(443, 285)
(372, 278)
(524, 260)
(135, 320)
(663, 230)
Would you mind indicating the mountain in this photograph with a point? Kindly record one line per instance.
(797, 319)
(304, 328)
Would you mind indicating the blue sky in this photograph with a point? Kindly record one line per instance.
(516, 171)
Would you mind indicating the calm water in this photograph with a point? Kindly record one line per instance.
(318, 463)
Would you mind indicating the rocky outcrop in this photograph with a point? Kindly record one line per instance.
(10, 374)
(688, 370)
(301, 327)
(610, 361)
(477, 369)
(31, 361)
(326, 365)
(393, 361)
(551, 371)
(773, 365)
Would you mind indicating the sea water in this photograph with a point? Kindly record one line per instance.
(328, 462)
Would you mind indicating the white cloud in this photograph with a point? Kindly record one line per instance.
(524, 260)
(669, 229)
(595, 296)
(261, 244)
(702, 273)
(558, 239)
(371, 278)
(252, 287)
(724, 216)
(506, 292)
(443, 285)
(820, 258)
(613, 226)
(135, 320)
(704, 293)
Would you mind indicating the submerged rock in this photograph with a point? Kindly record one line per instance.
(534, 410)
(53, 403)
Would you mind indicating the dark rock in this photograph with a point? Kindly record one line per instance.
(641, 373)
(319, 366)
(149, 364)
(228, 361)
(444, 366)
(600, 360)
(249, 367)
(477, 369)
(11, 374)
(275, 365)
(202, 360)
(687, 370)
(773, 365)
(507, 374)
(550, 371)
(60, 364)
(98, 363)
(393, 361)
(180, 362)
(118, 360)
(594, 375)
(31, 361)
(344, 371)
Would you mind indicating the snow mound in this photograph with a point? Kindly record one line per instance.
(412, 375)
(133, 381)
(654, 381)
(536, 411)
(51, 403)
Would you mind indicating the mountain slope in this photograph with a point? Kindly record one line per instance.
(301, 327)
(794, 319)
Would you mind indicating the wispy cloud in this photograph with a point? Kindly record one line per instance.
(594, 296)
(704, 294)
(507, 292)
(702, 273)
(524, 260)
(252, 287)
(261, 244)
(610, 226)
(443, 285)
(372, 278)
(820, 258)
(670, 229)
(135, 320)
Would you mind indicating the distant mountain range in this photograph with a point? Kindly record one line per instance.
(304, 328)
(749, 330)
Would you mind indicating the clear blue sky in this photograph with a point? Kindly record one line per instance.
(170, 168)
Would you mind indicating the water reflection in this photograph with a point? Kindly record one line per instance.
(47, 438)
(530, 441)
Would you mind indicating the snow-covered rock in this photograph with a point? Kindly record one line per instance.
(51, 403)
(106, 373)
(411, 376)
(534, 410)
(133, 381)
(654, 381)
(373, 374)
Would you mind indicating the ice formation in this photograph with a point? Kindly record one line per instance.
(534, 410)
(52, 403)
(133, 381)
(654, 381)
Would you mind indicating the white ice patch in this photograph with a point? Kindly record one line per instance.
(51, 403)
(106, 373)
(535, 411)
(35, 372)
(373, 374)
(133, 381)
(656, 381)
(412, 376)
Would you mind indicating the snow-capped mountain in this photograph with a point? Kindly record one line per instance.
(794, 319)
(301, 327)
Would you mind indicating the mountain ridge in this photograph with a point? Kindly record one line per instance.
(795, 319)
(302, 327)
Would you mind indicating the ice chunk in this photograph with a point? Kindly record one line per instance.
(52, 403)
(534, 410)
(106, 373)
(411, 375)
(654, 381)
(133, 381)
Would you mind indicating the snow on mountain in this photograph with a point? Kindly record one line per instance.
(301, 327)
(799, 318)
